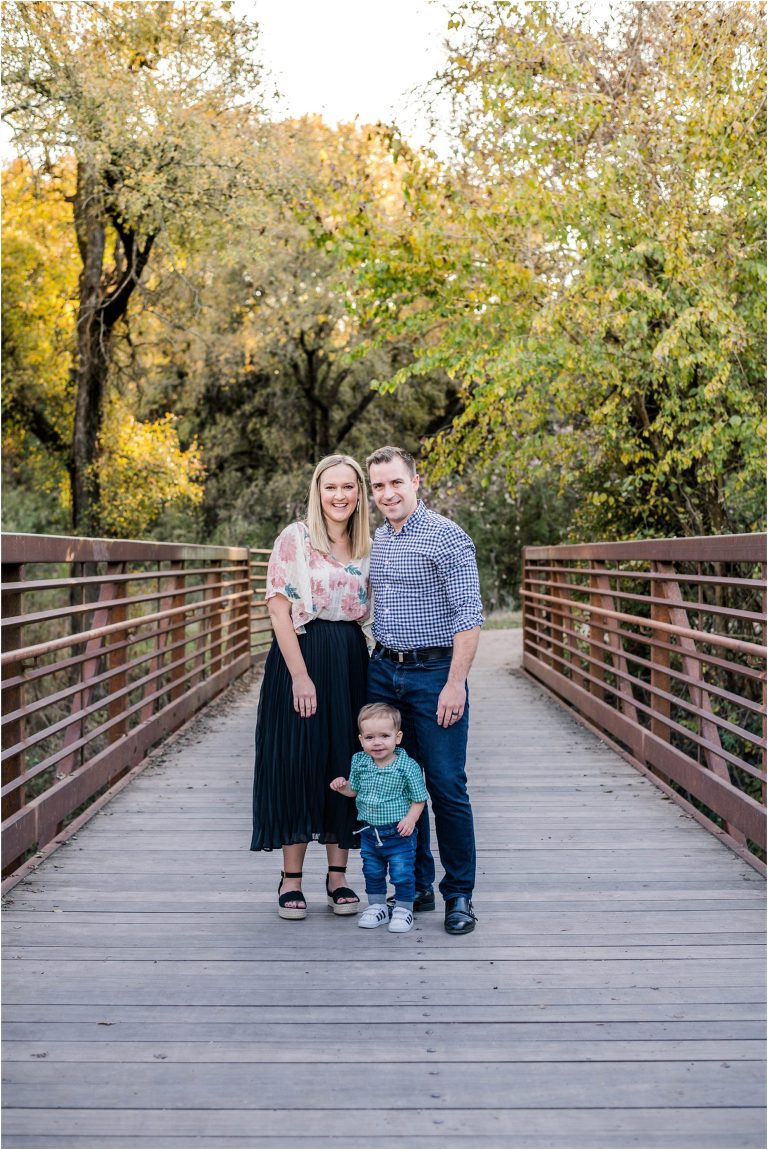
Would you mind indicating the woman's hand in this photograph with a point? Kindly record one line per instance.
(304, 696)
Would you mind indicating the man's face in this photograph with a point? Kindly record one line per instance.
(394, 490)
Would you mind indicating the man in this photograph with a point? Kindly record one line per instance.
(427, 618)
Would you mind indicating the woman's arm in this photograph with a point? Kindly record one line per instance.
(304, 693)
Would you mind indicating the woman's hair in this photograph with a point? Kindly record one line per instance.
(379, 711)
(357, 525)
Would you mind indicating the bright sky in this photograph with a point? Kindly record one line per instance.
(347, 58)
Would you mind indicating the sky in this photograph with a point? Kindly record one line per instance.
(348, 58)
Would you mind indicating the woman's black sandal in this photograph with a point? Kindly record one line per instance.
(290, 896)
(341, 892)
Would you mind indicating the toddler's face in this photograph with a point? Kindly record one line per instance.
(379, 738)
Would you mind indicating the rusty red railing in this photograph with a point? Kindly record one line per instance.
(108, 646)
(659, 645)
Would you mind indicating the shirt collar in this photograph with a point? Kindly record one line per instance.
(414, 520)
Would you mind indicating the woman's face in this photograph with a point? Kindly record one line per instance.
(339, 493)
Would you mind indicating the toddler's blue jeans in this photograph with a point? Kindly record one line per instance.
(382, 847)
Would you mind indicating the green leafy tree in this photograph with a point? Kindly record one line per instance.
(273, 368)
(590, 264)
(154, 101)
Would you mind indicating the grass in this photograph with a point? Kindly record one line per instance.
(503, 620)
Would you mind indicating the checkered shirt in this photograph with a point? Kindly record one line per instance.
(425, 582)
(385, 794)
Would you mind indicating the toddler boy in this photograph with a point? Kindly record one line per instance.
(390, 792)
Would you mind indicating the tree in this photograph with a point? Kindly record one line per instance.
(39, 273)
(590, 265)
(153, 101)
(276, 369)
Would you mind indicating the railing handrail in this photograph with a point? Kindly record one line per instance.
(18, 548)
(150, 632)
(687, 709)
(746, 547)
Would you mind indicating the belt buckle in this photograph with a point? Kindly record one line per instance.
(401, 656)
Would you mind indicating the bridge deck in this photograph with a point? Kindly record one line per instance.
(611, 995)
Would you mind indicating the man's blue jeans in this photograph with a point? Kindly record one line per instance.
(441, 752)
(384, 845)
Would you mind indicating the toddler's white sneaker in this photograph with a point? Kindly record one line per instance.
(374, 915)
(401, 922)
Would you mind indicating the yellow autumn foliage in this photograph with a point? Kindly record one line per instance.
(143, 470)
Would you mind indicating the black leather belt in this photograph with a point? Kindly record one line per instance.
(419, 655)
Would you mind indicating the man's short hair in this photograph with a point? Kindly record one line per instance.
(387, 454)
(379, 711)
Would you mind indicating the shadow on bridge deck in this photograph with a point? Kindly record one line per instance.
(610, 997)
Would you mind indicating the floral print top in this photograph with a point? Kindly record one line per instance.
(316, 585)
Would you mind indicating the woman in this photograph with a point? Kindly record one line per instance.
(314, 683)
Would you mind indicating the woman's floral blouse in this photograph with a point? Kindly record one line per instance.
(316, 585)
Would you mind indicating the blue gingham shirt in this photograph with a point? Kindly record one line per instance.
(425, 582)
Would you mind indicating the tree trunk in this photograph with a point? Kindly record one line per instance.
(104, 296)
(92, 352)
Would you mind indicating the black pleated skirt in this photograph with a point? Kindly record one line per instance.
(296, 758)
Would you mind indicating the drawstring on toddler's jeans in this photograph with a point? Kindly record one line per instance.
(370, 828)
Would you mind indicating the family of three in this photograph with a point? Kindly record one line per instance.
(323, 698)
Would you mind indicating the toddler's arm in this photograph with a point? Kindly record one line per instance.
(407, 825)
(341, 785)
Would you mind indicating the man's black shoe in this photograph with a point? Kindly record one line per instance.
(424, 900)
(459, 915)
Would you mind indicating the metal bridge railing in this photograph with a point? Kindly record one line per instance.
(108, 646)
(659, 645)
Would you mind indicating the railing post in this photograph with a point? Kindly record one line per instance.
(217, 621)
(557, 637)
(94, 650)
(596, 633)
(116, 658)
(176, 634)
(660, 658)
(525, 604)
(613, 639)
(699, 695)
(13, 732)
(244, 606)
(580, 631)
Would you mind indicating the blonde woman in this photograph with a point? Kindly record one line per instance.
(314, 683)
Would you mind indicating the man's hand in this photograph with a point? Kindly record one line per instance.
(453, 697)
(450, 704)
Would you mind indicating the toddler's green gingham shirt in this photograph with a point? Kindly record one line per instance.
(385, 794)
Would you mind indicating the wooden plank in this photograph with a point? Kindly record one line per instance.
(703, 1084)
(570, 1008)
(300, 1045)
(523, 1127)
(451, 1040)
(165, 952)
(405, 978)
(616, 967)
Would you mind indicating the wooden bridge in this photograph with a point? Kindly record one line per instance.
(612, 994)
